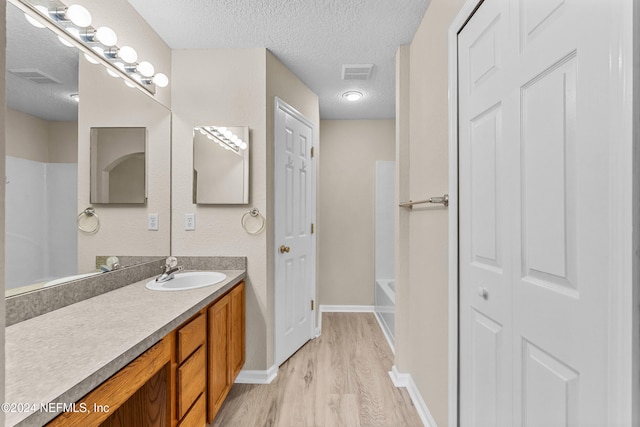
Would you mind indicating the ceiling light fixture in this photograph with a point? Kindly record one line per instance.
(352, 95)
(98, 45)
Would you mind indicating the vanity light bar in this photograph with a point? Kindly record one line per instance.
(73, 25)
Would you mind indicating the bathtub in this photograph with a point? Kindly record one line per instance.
(385, 307)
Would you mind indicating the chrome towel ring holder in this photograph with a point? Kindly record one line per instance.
(88, 213)
(253, 213)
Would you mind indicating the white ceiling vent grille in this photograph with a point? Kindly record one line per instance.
(356, 71)
(34, 75)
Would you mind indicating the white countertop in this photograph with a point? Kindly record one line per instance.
(62, 355)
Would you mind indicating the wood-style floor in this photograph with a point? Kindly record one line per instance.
(338, 379)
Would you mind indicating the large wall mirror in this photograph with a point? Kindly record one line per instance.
(221, 165)
(54, 98)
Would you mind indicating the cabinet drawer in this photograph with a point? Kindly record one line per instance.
(191, 336)
(196, 415)
(191, 380)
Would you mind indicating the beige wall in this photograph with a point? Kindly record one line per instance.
(32, 138)
(27, 136)
(107, 102)
(133, 31)
(223, 87)
(402, 217)
(350, 149)
(422, 302)
(63, 142)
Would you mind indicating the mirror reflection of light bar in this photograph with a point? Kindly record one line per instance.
(218, 134)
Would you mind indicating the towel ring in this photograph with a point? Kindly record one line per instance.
(89, 212)
(255, 213)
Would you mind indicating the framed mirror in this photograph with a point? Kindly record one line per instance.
(221, 165)
(118, 166)
(48, 163)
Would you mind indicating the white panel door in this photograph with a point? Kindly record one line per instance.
(534, 264)
(485, 247)
(295, 257)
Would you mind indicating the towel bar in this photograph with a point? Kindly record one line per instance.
(444, 200)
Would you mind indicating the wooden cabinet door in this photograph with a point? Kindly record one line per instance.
(237, 335)
(218, 347)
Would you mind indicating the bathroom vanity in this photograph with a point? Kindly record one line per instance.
(131, 356)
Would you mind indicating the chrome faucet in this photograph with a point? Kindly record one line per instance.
(171, 267)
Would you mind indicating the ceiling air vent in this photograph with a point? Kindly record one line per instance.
(34, 75)
(356, 71)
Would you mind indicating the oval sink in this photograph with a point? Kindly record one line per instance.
(188, 280)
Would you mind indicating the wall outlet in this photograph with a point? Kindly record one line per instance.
(152, 223)
(189, 221)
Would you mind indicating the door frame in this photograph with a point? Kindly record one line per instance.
(624, 210)
(280, 105)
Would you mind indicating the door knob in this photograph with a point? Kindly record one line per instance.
(284, 249)
(483, 292)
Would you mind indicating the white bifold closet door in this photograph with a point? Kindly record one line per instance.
(534, 249)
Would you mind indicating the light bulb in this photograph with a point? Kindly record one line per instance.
(222, 129)
(145, 68)
(78, 15)
(128, 54)
(202, 131)
(33, 21)
(128, 83)
(75, 97)
(112, 73)
(161, 80)
(106, 36)
(243, 145)
(228, 133)
(234, 138)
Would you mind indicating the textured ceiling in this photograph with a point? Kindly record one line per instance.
(313, 38)
(29, 47)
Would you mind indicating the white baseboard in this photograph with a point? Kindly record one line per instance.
(346, 309)
(405, 380)
(341, 309)
(384, 332)
(247, 376)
